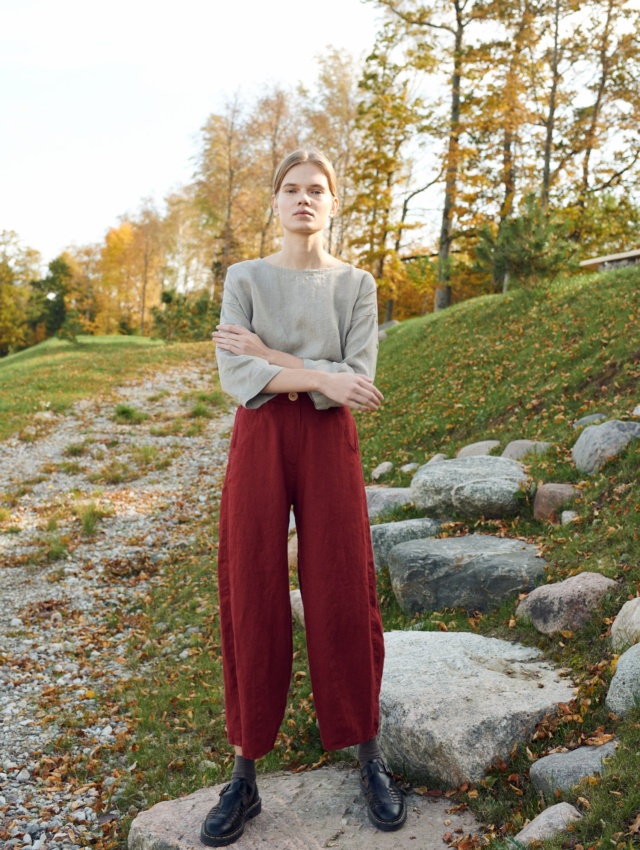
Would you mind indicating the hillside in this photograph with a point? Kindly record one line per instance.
(523, 364)
(55, 373)
(113, 504)
(527, 365)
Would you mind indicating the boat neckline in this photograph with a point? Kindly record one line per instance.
(289, 269)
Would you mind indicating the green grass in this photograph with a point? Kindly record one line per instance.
(124, 414)
(524, 365)
(54, 374)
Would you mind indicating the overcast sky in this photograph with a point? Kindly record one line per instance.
(101, 103)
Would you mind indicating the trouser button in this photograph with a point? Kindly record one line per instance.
(293, 396)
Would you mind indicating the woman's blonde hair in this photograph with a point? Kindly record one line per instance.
(303, 155)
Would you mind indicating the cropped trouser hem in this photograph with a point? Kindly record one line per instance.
(283, 454)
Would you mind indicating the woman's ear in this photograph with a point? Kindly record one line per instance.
(335, 203)
(274, 204)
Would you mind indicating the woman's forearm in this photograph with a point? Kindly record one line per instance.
(280, 358)
(294, 380)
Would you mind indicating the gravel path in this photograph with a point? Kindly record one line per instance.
(62, 589)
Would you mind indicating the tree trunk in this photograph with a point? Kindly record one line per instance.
(550, 122)
(443, 292)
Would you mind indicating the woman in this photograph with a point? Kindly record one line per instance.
(296, 347)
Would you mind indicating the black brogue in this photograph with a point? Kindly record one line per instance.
(386, 804)
(239, 801)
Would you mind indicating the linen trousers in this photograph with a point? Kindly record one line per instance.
(288, 454)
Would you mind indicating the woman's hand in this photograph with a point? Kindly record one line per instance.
(239, 340)
(356, 391)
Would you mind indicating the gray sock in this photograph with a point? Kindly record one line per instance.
(369, 750)
(245, 769)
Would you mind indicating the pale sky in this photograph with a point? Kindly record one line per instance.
(101, 103)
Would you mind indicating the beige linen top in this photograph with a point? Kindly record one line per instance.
(327, 317)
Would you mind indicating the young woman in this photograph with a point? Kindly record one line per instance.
(296, 347)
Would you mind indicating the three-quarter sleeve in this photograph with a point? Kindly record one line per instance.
(242, 376)
(361, 344)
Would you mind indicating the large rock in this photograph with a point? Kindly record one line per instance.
(565, 604)
(436, 458)
(599, 443)
(382, 500)
(520, 448)
(297, 608)
(476, 572)
(625, 630)
(301, 811)
(591, 419)
(472, 486)
(478, 449)
(553, 820)
(388, 534)
(451, 702)
(550, 498)
(382, 470)
(565, 770)
(624, 690)
(292, 552)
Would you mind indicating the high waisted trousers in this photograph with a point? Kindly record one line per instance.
(282, 454)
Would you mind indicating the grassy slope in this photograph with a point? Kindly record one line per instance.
(526, 365)
(56, 373)
(521, 365)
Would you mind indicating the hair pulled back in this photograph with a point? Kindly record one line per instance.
(304, 155)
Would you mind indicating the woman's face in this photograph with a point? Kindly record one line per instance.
(304, 202)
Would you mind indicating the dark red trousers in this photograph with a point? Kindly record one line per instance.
(286, 453)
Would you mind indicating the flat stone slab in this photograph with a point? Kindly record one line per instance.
(386, 535)
(470, 486)
(301, 811)
(382, 500)
(565, 770)
(475, 572)
(452, 701)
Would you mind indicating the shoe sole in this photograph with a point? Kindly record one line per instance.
(223, 840)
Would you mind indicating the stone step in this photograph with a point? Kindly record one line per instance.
(302, 811)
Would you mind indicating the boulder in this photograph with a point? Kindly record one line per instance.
(636, 410)
(297, 608)
(565, 770)
(475, 486)
(591, 419)
(478, 449)
(306, 811)
(565, 604)
(624, 690)
(387, 535)
(408, 468)
(382, 470)
(292, 552)
(550, 497)
(476, 572)
(382, 500)
(553, 820)
(452, 701)
(520, 448)
(599, 443)
(625, 630)
(436, 459)
(567, 517)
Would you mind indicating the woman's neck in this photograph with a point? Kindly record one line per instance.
(303, 253)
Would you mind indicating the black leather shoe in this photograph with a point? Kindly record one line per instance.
(387, 807)
(224, 824)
